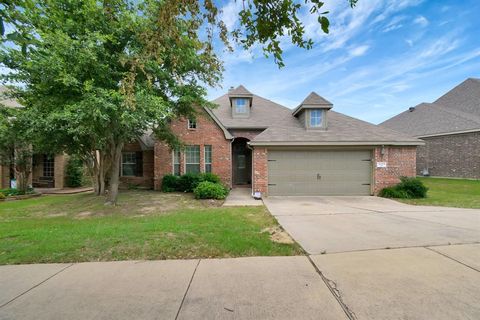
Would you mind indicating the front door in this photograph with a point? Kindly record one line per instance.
(241, 164)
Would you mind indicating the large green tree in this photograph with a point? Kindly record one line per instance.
(94, 75)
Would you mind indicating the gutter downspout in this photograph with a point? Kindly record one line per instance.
(253, 169)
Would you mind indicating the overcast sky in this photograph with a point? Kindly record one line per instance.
(379, 59)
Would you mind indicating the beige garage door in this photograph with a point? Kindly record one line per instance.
(312, 173)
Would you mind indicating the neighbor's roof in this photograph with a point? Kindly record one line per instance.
(455, 112)
(342, 130)
(8, 102)
(264, 113)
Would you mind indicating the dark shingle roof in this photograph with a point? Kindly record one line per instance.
(284, 128)
(456, 111)
(239, 91)
(342, 129)
(464, 97)
(314, 99)
(263, 114)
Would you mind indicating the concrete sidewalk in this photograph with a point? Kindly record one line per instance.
(441, 283)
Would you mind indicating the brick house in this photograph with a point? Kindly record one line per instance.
(254, 142)
(450, 127)
(250, 141)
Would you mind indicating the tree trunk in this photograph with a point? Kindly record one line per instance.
(114, 174)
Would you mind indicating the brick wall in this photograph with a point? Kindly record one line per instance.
(206, 133)
(260, 170)
(455, 155)
(248, 134)
(59, 170)
(145, 181)
(400, 161)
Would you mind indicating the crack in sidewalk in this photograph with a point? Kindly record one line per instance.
(35, 286)
(332, 286)
(188, 288)
(448, 257)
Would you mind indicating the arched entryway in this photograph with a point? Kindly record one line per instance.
(242, 162)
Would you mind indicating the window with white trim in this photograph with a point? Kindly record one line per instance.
(176, 162)
(208, 158)
(316, 116)
(192, 159)
(192, 124)
(240, 105)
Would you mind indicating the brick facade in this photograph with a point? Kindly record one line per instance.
(206, 133)
(455, 155)
(260, 170)
(146, 180)
(400, 161)
(248, 134)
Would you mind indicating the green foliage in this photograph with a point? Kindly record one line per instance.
(188, 182)
(408, 188)
(16, 192)
(170, 183)
(393, 192)
(2, 196)
(208, 176)
(74, 172)
(413, 186)
(210, 190)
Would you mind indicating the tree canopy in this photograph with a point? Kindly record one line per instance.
(94, 75)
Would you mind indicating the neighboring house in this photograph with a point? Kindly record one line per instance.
(450, 127)
(312, 150)
(47, 170)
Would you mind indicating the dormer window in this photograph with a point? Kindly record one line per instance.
(241, 102)
(316, 117)
(313, 112)
(240, 106)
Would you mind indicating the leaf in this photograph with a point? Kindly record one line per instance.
(324, 23)
(2, 27)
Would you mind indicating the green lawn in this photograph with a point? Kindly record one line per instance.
(460, 193)
(145, 225)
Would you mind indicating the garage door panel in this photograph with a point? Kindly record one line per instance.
(319, 172)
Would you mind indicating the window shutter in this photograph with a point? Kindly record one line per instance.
(139, 162)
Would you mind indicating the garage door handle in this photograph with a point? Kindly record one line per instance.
(365, 184)
(319, 177)
(272, 184)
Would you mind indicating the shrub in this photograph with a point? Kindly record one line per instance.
(188, 182)
(408, 188)
(210, 190)
(393, 192)
(211, 177)
(2, 196)
(74, 172)
(413, 186)
(170, 183)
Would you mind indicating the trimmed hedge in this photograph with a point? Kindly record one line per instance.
(210, 190)
(188, 182)
(170, 183)
(408, 188)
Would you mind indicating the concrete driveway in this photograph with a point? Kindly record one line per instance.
(342, 224)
